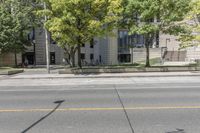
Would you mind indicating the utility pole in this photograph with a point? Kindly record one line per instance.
(15, 51)
(47, 44)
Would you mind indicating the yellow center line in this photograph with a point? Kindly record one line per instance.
(99, 109)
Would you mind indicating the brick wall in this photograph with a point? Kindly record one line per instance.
(9, 59)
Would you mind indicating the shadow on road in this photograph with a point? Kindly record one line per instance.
(44, 117)
(177, 131)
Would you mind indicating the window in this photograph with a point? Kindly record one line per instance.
(125, 40)
(31, 35)
(52, 58)
(91, 46)
(138, 40)
(91, 56)
(83, 45)
(82, 56)
(100, 58)
(92, 43)
(124, 58)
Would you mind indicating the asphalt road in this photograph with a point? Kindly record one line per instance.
(113, 105)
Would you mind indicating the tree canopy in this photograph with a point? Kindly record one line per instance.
(16, 21)
(192, 22)
(73, 23)
(146, 17)
(76, 22)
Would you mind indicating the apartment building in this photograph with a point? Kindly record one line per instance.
(103, 51)
(107, 50)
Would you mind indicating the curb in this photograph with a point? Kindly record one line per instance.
(11, 72)
(78, 77)
(129, 70)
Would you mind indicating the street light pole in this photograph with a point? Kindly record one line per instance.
(12, 13)
(47, 44)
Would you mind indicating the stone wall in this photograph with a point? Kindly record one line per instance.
(193, 54)
(175, 56)
(129, 70)
(139, 54)
(169, 41)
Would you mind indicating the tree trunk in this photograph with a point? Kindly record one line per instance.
(15, 53)
(147, 46)
(70, 53)
(79, 43)
(147, 56)
(72, 58)
(79, 56)
(67, 59)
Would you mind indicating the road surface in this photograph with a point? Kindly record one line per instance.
(100, 105)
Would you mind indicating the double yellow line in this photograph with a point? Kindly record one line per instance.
(99, 109)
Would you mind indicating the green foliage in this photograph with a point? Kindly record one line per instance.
(76, 22)
(148, 17)
(192, 38)
(6, 28)
(83, 19)
(16, 21)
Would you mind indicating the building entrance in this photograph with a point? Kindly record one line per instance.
(28, 58)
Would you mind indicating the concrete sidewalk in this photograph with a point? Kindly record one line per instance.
(104, 75)
(2, 76)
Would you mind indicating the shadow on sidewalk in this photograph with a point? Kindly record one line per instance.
(44, 117)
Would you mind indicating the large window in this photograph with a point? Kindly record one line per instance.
(138, 41)
(123, 40)
(124, 58)
(126, 41)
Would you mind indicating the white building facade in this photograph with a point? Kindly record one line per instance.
(108, 50)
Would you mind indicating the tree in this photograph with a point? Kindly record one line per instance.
(6, 28)
(148, 17)
(16, 21)
(73, 23)
(192, 22)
